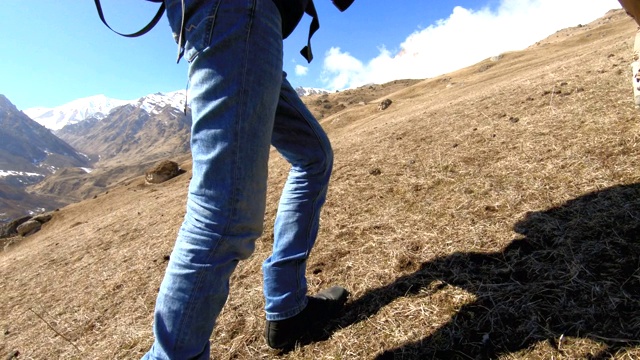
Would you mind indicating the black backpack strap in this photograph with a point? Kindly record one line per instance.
(342, 5)
(315, 25)
(145, 30)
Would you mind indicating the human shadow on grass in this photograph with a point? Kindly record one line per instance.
(575, 273)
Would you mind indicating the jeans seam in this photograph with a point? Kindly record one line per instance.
(206, 41)
(241, 116)
(212, 18)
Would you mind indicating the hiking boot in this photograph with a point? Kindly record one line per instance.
(324, 306)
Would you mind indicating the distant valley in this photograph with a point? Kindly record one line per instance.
(86, 146)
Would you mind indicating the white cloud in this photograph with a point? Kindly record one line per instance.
(464, 38)
(301, 70)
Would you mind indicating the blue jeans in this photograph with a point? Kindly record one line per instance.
(241, 104)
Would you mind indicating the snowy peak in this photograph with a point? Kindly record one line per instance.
(154, 103)
(73, 112)
(306, 91)
(100, 106)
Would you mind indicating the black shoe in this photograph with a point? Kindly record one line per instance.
(324, 306)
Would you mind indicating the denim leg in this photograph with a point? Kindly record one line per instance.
(234, 86)
(300, 139)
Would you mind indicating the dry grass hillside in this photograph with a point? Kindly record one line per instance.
(490, 213)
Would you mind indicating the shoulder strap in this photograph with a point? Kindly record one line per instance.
(342, 5)
(143, 31)
(315, 25)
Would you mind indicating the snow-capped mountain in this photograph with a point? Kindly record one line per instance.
(75, 111)
(154, 103)
(306, 91)
(99, 106)
(141, 129)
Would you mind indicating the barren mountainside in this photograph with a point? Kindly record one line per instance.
(17, 131)
(489, 213)
(112, 148)
(132, 133)
(28, 153)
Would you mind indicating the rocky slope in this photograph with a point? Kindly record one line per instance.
(28, 153)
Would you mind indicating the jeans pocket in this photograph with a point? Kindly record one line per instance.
(195, 25)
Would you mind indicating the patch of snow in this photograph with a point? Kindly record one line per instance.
(36, 211)
(5, 173)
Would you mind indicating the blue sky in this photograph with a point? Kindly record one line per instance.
(56, 51)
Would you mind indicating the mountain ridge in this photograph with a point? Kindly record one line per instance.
(74, 111)
(98, 107)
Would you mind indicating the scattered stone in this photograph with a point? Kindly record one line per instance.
(554, 92)
(491, 208)
(11, 229)
(384, 104)
(43, 218)
(514, 119)
(24, 226)
(13, 355)
(485, 67)
(29, 227)
(375, 172)
(162, 172)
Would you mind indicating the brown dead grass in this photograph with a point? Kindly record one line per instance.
(490, 213)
